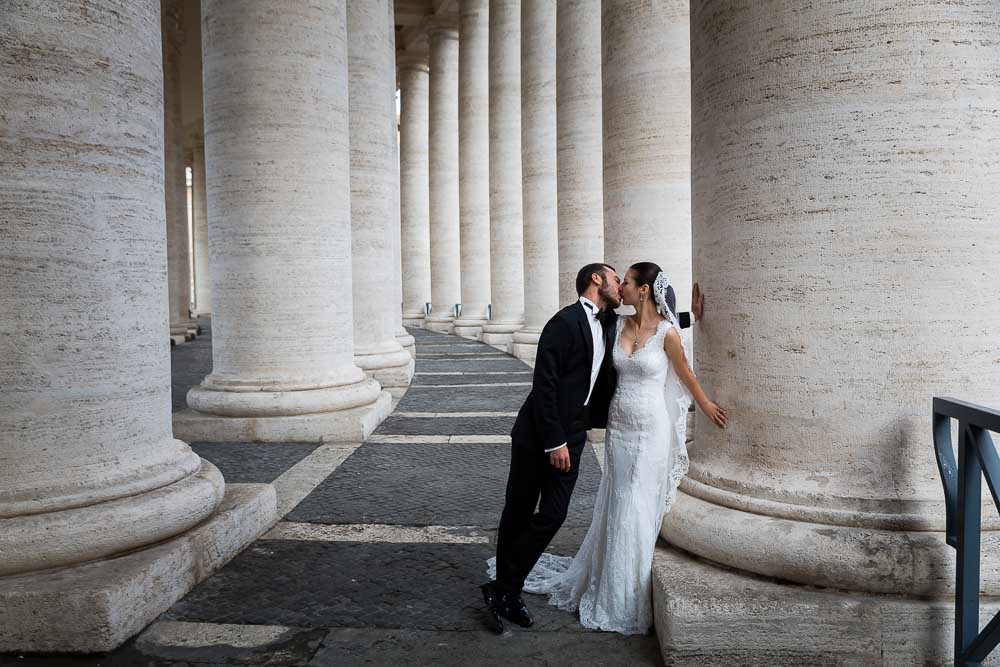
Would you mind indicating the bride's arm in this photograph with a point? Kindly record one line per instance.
(675, 352)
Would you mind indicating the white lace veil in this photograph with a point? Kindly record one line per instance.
(660, 288)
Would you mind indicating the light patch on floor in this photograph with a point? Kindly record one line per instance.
(473, 373)
(194, 635)
(488, 384)
(453, 414)
(299, 481)
(438, 439)
(368, 532)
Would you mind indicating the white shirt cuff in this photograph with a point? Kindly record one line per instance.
(555, 448)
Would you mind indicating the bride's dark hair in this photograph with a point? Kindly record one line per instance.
(645, 274)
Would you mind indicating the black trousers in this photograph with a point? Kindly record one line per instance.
(524, 533)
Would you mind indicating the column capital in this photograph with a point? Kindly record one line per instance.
(412, 61)
(442, 25)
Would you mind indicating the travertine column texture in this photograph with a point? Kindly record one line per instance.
(278, 165)
(446, 267)
(647, 137)
(578, 120)
(474, 165)
(371, 67)
(402, 335)
(506, 242)
(841, 306)
(538, 172)
(88, 464)
(202, 278)
(175, 186)
(414, 212)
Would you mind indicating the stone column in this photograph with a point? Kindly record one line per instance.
(538, 167)
(647, 137)
(474, 166)
(182, 327)
(374, 183)
(202, 279)
(446, 269)
(402, 335)
(506, 242)
(414, 212)
(578, 120)
(90, 467)
(279, 230)
(840, 307)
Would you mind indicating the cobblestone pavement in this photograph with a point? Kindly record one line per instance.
(379, 561)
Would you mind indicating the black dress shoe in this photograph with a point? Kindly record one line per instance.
(494, 606)
(515, 611)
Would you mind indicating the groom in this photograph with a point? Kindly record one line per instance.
(571, 390)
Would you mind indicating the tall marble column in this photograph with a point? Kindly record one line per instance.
(647, 137)
(538, 172)
(474, 166)
(446, 268)
(404, 337)
(578, 121)
(175, 187)
(90, 467)
(371, 67)
(841, 307)
(279, 230)
(414, 189)
(506, 241)
(202, 279)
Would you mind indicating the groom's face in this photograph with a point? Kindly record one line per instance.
(609, 290)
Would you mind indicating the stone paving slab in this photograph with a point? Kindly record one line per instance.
(463, 399)
(430, 484)
(470, 378)
(253, 462)
(350, 647)
(470, 364)
(334, 584)
(446, 425)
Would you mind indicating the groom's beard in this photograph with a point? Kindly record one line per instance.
(608, 301)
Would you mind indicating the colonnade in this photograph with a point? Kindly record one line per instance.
(837, 210)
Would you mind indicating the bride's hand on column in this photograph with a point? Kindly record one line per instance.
(716, 413)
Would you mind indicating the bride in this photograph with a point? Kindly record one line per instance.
(609, 579)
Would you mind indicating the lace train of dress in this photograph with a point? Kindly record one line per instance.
(609, 581)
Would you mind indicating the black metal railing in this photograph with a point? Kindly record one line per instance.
(963, 487)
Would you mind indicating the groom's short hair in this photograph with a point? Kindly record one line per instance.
(583, 277)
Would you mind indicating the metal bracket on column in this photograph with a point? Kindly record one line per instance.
(977, 458)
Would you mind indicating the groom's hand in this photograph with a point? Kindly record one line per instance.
(559, 459)
(697, 302)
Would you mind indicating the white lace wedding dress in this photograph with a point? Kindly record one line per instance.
(609, 579)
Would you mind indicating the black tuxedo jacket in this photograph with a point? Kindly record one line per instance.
(554, 409)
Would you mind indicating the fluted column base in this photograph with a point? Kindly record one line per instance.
(846, 550)
(346, 412)
(525, 344)
(440, 323)
(181, 497)
(413, 319)
(389, 364)
(501, 334)
(707, 615)
(407, 342)
(471, 328)
(41, 612)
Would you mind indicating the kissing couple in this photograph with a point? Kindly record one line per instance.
(630, 374)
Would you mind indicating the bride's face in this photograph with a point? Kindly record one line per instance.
(628, 290)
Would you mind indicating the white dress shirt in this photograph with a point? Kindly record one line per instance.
(597, 332)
